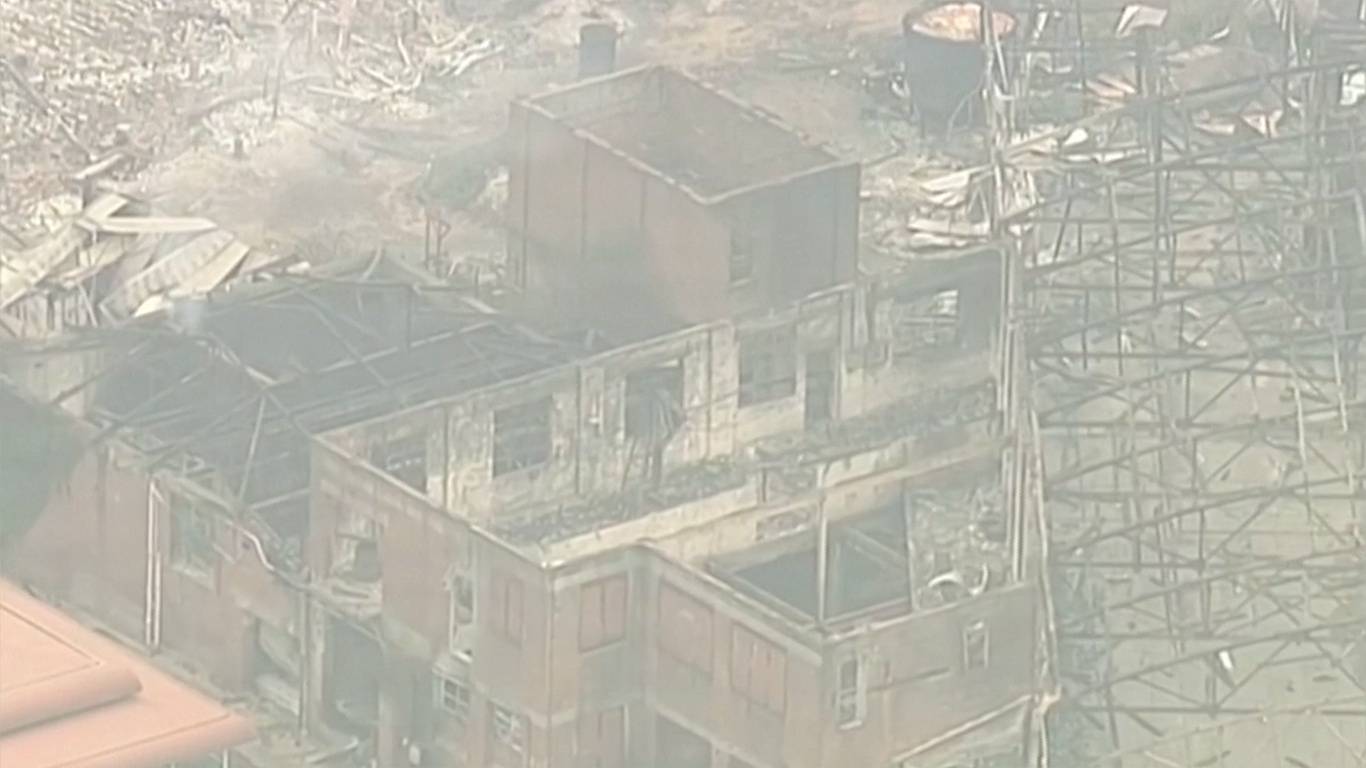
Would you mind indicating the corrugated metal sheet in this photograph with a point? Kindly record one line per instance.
(167, 273)
(157, 225)
(37, 263)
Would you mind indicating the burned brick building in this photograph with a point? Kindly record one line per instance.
(649, 199)
(781, 587)
(771, 534)
(760, 522)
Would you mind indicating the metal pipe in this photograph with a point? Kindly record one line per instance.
(151, 628)
(822, 552)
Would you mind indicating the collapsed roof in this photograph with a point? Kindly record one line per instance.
(229, 387)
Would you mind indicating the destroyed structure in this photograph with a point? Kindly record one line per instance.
(115, 261)
(763, 527)
(1045, 451)
(1190, 306)
(649, 200)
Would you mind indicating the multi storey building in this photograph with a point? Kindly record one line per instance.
(737, 502)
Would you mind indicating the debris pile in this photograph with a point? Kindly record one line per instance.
(99, 84)
(687, 483)
(104, 90)
(112, 263)
(402, 70)
(960, 539)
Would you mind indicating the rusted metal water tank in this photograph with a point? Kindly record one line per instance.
(597, 49)
(945, 61)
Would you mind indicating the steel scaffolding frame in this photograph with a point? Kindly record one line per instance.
(1181, 358)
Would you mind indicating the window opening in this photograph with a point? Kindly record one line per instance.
(851, 697)
(820, 387)
(768, 365)
(926, 322)
(356, 548)
(654, 412)
(192, 538)
(453, 697)
(509, 729)
(405, 460)
(975, 646)
(741, 253)
(460, 611)
(521, 436)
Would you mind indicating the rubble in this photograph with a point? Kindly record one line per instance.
(959, 22)
(396, 410)
(153, 80)
(935, 412)
(112, 263)
(689, 483)
(90, 79)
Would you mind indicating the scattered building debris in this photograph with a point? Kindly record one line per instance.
(114, 262)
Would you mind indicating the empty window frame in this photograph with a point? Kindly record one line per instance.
(192, 538)
(819, 402)
(768, 365)
(602, 739)
(521, 436)
(741, 262)
(602, 612)
(851, 693)
(926, 322)
(453, 697)
(976, 646)
(355, 548)
(405, 460)
(684, 628)
(507, 607)
(654, 403)
(509, 732)
(758, 669)
(459, 611)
